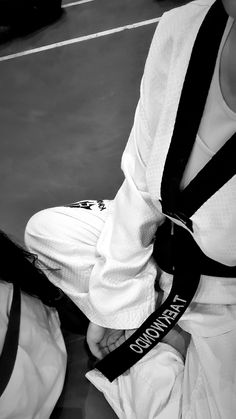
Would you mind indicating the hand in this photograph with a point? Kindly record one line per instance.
(179, 339)
(102, 341)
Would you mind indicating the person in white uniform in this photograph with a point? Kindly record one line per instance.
(178, 167)
(33, 355)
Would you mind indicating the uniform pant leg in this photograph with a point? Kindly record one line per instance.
(209, 389)
(64, 239)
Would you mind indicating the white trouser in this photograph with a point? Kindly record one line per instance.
(160, 385)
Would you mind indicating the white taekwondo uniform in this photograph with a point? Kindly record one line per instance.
(104, 252)
(40, 366)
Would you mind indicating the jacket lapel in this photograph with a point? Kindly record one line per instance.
(191, 105)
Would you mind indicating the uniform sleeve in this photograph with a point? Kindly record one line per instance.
(121, 290)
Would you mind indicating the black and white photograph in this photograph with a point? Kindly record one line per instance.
(117, 209)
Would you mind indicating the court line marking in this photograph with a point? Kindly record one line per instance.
(79, 39)
(75, 3)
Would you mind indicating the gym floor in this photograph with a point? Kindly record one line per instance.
(67, 100)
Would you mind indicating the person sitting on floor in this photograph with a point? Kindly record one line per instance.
(179, 167)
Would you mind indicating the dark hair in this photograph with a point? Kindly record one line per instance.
(19, 266)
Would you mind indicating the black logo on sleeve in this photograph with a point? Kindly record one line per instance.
(89, 205)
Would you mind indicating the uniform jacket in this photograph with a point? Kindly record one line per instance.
(121, 291)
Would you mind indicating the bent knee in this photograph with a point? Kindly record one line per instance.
(39, 226)
(62, 228)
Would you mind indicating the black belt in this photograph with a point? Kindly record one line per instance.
(10, 346)
(176, 252)
(175, 244)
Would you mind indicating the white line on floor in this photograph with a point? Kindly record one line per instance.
(79, 39)
(75, 3)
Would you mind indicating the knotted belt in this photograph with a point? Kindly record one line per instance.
(176, 253)
(175, 250)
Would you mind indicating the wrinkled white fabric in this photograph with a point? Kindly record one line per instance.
(210, 378)
(151, 389)
(160, 386)
(193, 390)
(39, 371)
(124, 272)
